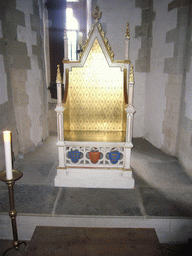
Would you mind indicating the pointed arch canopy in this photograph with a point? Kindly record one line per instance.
(95, 100)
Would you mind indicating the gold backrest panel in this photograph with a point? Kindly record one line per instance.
(95, 99)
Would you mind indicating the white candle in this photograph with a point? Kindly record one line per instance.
(8, 158)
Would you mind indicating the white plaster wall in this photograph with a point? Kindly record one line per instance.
(3, 79)
(185, 140)
(34, 78)
(1, 32)
(115, 15)
(3, 75)
(188, 94)
(156, 80)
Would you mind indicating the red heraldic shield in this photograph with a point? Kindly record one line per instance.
(94, 156)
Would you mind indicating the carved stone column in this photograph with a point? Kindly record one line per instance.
(60, 129)
(129, 125)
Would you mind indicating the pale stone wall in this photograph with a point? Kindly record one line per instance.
(161, 53)
(8, 34)
(183, 34)
(168, 91)
(36, 89)
(175, 68)
(168, 108)
(23, 100)
(157, 78)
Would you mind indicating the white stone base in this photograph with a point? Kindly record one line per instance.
(94, 178)
(169, 229)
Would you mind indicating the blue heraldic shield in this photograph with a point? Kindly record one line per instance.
(114, 156)
(74, 155)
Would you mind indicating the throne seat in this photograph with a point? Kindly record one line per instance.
(94, 117)
(95, 136)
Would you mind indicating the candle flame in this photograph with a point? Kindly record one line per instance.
(7, 136)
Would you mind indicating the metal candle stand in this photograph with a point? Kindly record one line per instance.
(12, 213)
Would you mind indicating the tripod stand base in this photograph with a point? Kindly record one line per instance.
(12, 213)
(15, 246)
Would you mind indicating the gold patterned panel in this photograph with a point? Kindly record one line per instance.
(95, 99)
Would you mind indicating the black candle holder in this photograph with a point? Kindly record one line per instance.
(12, 213)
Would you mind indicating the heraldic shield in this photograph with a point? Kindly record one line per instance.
(114, 156)
(74, 155)
(94, 155)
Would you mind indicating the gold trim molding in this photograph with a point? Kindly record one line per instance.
(131, 75)
(127, 34)
(105, 40)
(58, 78)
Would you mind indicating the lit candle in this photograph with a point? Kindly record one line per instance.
(8, 158)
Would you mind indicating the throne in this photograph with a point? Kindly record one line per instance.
(95, 115)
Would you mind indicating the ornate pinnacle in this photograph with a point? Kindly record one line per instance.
(96, 14)
(127, 35)
(131, 75)
(58, 78)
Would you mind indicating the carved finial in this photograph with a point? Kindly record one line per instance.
(131, 75)
(96, 14)
(127, 31)
(58, 78)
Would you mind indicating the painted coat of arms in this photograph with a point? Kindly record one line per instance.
(74, 155)
(114, 156)
(94, 156)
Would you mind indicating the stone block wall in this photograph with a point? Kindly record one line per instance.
(177, 126)
(168, 88)
(144, 31)
(184, 140)
(161, 53)
(23, 100)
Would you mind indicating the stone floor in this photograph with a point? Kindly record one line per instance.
(162, 187)
(184, 249)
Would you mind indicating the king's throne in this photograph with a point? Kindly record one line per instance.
(95, 115)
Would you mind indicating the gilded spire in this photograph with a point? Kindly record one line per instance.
(96, 14)
(127, 35)
(131, 75)
(58, 78)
